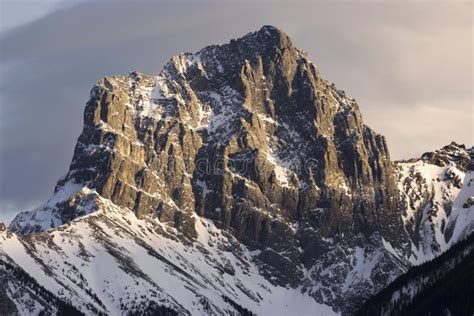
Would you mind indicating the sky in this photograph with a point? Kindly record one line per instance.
(409, 65)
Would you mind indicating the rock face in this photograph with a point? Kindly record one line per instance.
(248, 135)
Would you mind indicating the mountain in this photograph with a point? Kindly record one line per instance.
(238, 180)
(443, 286)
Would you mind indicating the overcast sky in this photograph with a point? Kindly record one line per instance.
(409, 66)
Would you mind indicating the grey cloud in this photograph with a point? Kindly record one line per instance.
(397, 60)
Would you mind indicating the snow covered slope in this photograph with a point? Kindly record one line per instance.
(111, 261)
(21, 294)
(438, 193)
(443, 286)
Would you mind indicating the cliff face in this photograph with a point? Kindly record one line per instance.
(250, 136)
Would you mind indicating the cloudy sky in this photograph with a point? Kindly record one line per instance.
(409, 66)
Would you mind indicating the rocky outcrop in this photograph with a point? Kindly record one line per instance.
(250, 136)
(453, 154)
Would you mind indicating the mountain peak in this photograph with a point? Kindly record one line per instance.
(269, 33)
(268, 37)
(270, 29)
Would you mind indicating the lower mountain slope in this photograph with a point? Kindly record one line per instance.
(443, 286)
(21, 294)
(114, 263)
(110, 261)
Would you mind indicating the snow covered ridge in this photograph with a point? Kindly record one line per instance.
(77, 197)
(437, 191)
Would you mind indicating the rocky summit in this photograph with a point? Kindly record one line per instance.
(243, 157)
